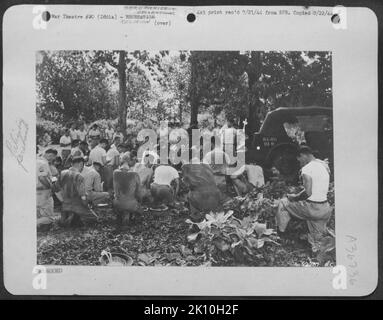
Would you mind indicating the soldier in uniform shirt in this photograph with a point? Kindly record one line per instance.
(44, 186)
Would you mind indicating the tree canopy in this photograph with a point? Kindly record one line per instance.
(178, 85)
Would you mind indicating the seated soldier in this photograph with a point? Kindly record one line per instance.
(75, 208)
(311, 203)
(164, 187)
(204, 194)
(93, 185)
(126, 193)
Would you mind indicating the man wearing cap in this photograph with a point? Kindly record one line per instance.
(311, 203)
(126, 192)
(45, 182)
(75, 210)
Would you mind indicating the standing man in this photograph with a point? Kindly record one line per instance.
(45, 182)
(311, 203)
(81, 133)
(94, 132)
(109, 132)
(94, 135)
(75, 209)
(65, 144)
(73, 132)
(112, 163)
(118, 133)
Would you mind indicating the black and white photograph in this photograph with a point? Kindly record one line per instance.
(205, 151)
(112, 185)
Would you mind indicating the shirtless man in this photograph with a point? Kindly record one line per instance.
(145, 170)
(75, 208)
(204, 194)
(126, 192)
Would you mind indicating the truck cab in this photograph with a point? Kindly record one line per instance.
(284, 130)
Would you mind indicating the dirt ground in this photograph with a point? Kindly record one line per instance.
(160, 239)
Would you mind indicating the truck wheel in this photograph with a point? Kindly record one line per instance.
(285, 161)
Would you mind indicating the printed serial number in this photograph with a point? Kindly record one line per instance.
(196, 309)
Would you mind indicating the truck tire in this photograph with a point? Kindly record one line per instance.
(284, 159)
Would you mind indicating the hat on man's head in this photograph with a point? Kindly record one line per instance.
(77, 159)
(151, 155)
(125, 157)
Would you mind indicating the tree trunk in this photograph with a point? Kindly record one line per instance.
(194, 113)
(180, 109)
(254, 72)
(122, 92)
(193, 92)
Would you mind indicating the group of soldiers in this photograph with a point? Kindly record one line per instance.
(95, 171)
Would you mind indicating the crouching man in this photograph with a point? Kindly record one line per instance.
(311, 203)
(165, 187)
(75, 210)
(204, 195)
(93, 185)
(126, 192)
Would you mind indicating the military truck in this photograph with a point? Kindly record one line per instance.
(274, 145)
